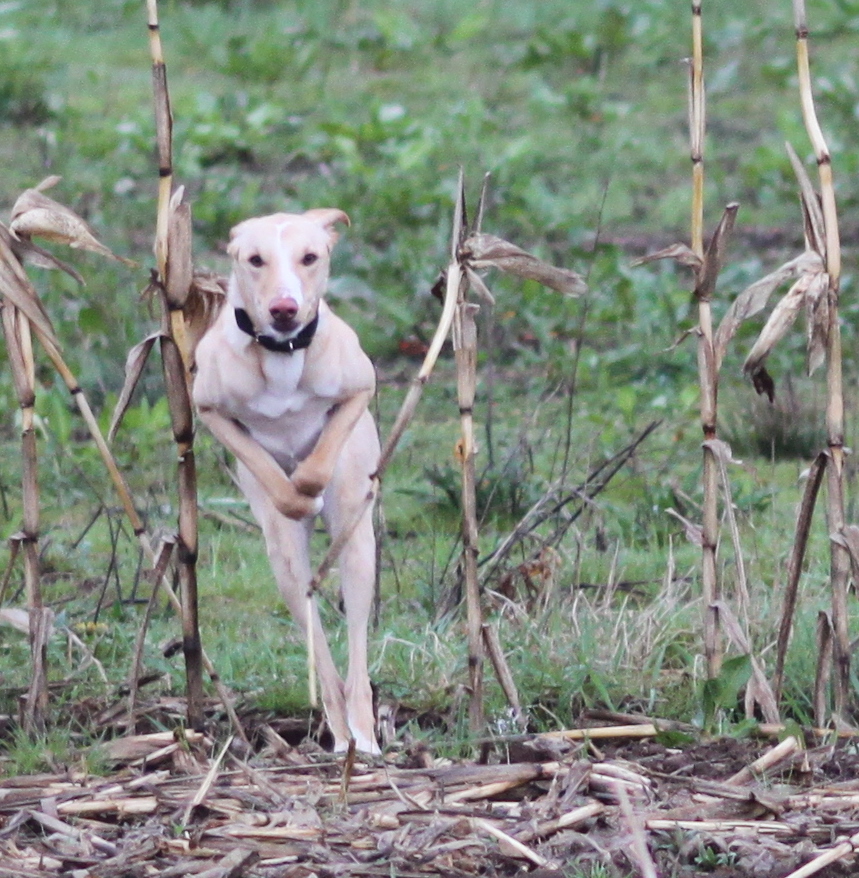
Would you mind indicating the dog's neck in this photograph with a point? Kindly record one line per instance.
(286, 346)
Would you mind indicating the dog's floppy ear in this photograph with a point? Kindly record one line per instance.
(328, 217)
(235, 231)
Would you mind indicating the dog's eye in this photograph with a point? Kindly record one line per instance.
(256, 261)
(309, 258)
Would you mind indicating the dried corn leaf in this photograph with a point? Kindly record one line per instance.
(203, 304)
(19, 619)
(16, 287)
(715, 255)
(134, 364)
(35, 214)
(781, 319)
(721, 450)
(479, 286)
(754, 298)
(694, 532)
(21, 366)
(848, 538)
(763, 382)
(758, 686)
(680, 253)
(487, 251)
(812, 212)
(817, 304)
(28, 253)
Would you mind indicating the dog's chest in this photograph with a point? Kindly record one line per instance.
(281, 413)
(279, 394)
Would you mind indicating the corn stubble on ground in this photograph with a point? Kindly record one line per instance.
(178, 803)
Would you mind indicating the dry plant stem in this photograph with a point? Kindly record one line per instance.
(840, 851)
(794, 569)
(404, 417)
(782, 751)
(164, 135)
(183, 435)
(206, 785)
(14, 547)
(465, 348)
(503, 673)
(638, 730)
(176, 376)
(707, 376)
(137, 661)
(16, 328)
(840, 560)
(638, 851)
(94, 430)
(743, 598)
(31, 556)
(521, 849)
(824, 667)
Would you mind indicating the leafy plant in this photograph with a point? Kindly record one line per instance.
(719, 695)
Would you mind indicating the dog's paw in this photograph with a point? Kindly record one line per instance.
(297, 506)
(309, 481)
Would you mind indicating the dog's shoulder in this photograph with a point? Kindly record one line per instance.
(216, 365)
(340, 357)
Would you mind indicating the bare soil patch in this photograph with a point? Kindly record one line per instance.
(180, 803)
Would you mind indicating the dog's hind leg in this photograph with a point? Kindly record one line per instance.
(343, 500)
(288, 553)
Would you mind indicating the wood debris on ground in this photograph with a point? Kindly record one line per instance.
(180, 803)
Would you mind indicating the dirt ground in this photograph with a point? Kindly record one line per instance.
(612, 798)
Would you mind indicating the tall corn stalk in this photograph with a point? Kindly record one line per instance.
(173, 258)
(465, 353)
(707, 370)
(706, 263)
(839, 556)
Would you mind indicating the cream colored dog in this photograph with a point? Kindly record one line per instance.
(283, 383)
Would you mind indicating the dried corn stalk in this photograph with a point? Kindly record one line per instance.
(24, 314)
(824, 314)
(706, 266)
(175, 274)
(706, 269)
(815, 290)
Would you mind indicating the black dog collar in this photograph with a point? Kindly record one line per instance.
(288, 345)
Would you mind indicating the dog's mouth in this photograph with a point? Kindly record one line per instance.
(284, 326)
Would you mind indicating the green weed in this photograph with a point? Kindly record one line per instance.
(54, 751)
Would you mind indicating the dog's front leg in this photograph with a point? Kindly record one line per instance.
(313, 474)
(287, 499)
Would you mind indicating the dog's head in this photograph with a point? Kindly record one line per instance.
(280, 268)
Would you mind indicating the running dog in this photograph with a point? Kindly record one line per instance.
(283, 383)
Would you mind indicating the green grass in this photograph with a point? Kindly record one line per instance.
(579, 113)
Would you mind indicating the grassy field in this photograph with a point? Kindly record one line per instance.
(580, 116)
